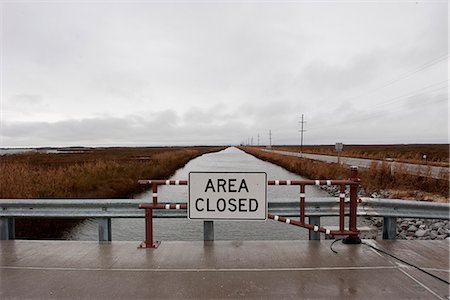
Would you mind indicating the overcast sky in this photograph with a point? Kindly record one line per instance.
(202, 72)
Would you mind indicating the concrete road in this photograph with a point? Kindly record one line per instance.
(222, 269)
(414, 169)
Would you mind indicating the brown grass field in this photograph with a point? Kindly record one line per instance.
(376, 178)
(437, 154)
(95, 173)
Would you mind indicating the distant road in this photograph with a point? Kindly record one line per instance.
(414, 169)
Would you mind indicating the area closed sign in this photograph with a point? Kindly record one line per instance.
(227, 196)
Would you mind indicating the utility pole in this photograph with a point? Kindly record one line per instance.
(252, 141)
(301, 132)
(258, 139)
(270, 139)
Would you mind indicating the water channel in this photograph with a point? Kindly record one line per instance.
(228, 160)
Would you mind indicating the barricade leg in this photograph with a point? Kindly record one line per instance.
(342, 207)
(354, 238)
(149, 243)
(302, 204)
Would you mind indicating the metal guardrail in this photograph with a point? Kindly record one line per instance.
(403, 208)
(105, 209)
(71, 208)
(128, 208)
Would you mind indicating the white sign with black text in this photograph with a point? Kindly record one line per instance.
(227, 196)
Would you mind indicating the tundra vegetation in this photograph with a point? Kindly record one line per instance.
(374, 179)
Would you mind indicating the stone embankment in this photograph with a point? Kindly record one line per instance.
(416, 229)
(407, 229)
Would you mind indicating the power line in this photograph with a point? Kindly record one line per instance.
(400, 77)
(412, 72)
(373, 115)
(402, 109)
(390, 102)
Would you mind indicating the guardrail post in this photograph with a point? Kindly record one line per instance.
(313, 235)
(7, 228)
(104, 229)
(389, 228)
(354, 238)
(12, 228)
(208, 231)
(4, 228)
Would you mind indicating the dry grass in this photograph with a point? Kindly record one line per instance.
(437, 154)
(97, 173)
(102, 173)
(377, 177)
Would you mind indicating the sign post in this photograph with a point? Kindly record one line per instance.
(227, 196)
(339, 147)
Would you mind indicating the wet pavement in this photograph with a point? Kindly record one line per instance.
(222, 269)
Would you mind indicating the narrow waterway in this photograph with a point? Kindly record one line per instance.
(228, 160)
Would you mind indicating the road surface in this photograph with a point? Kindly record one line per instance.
(222, 269)
(413, 169)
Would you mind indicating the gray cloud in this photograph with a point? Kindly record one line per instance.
(25, 100)
(150, 73)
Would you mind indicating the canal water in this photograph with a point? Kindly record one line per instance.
(228, 160)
